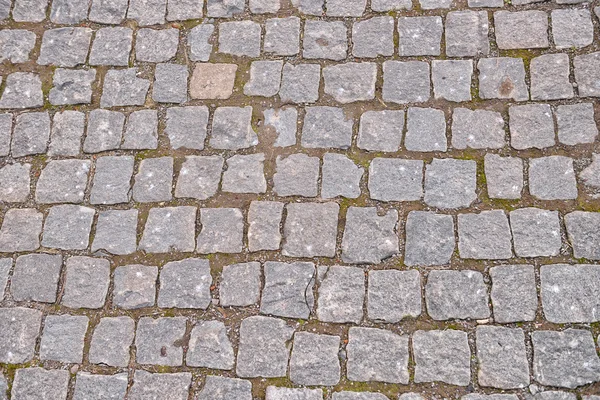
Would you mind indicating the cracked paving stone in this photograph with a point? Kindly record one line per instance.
(350, 82)
(88, 386)
(373, 37)
(169, 229)
(72, 86)
(116, 232)
(442, 356)
(394, 179)
(15, 183)
(68, 227)
(485, 235)
(31, 134)
(35, 277)
(221, 388)
(340, 177)
(325, 39)
(174, 386)
(582, 230)
(63, 338)
(513, 294)
(341, 294)
(456, 295)
(296, 175)
(112, 180)
(134, 286)
(310, 230)
(240, 284)
(430, 239)
(154, 180)
(393, 295)
(159, 341)
(30, 382)
(245, 174)
(450, 183)
(209, 346)
(16, 45)
(264, 218)
(111, 340)
(381, 130)
(185, 284)
(369, 237)
(186, 127)
(222, 231)
(65, 47)
(21, 230)
(288, 289)
(199, 177)
(20, 329)
(86, 283)
(552, 178)
(112, 46)
(504, 176)
(536, 232)
(314, 360)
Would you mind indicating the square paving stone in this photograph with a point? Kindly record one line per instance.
(63, 338)
(170, 83)
(223, 8)
(282, 122)
(582, 229)
(552, 178)
(264, 6)
(531, 126)
(395, 179)
(200, 42)
(565, 359)
(288, 290)
(186, 127)
(310, 7)
(467, 33)
(587, 73)
(521, 29)
(406, 82)
(569, 293)
(240, 38)
(426, 130)
(209, 346)
(65, 47)
(112, 180)
(67, 132)
(485, 235)
(222, 231)
(550, 77)
(377, 355)
(502, 357)
(154, 180)
(35, 277)
(142, 130)
(442, 356)
(350, 82)
(296, 175)
(169, 229)
(116, 232)
(452, 79)
(183, 10)
(21, 229)
(221, 388)
(265, 78)
(15, 183)
(450, 183)
(381, 130)
(419, 36)
(175, 386)
(93, 386)
(576, 124)
(245, 174)
(22, 90)
(300, 83)
(283, 393)
(232, 129)
(340, 177)
(72, 86)
(104, 131)
(282, 36)
(86, 282)
(346, 8)
(572, 28)
(477, 129)
(156, 45)
(68, 227)
(369, 237)
(16, 45)
(111, 46)
(310, 230)
(536, 232)
(199, 177)
(341, 294)
(456, 295)
(502, 78)
(111, 341)
(264, 350)
(20, 329)
(159, 341)
(264, 218)
(108, 11)
(393, 295)
(124, 88)
(147, 12)
(213, 81)
(185, 284)
(430, 239)
(314, 360)
(325, 39)
(513, 294)
(30, 382)
(240, 284)
(31, 134)
(326, 127)
(373, 37)
(504, 176)
(134, 286)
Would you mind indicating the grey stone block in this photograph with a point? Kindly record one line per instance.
(456, 295)
(240, 38)
(160, 385)
(222, 231)
(147, 12)
(426, 130)
(368, 236)
(170, 83)
(15, 183)
(283, 393)
(373, 37)
(521, 29)
(531, 125)
(158, 341)
(485, 235)
(265, 78)
(395, 179)
(156, 45)
(22, 90)
(430, 239)
(350, 82)
(69, 11)
(209, 346)
(582, 229)
(576, 124)
(6, 127)
(346, 8)
(108, 11)
(63, 338)
(123, 88)
(142, 130)
(467, 33)
(572, 28)
(134, 286)
(504, 176)
(68, 227)
(282, 36)
(536, 232)
(111, 341)
(326, 127)
(5, 267)
(381, 130)
(452, 79)
(20, 330)
(393, 295)
(420, 36)
(502, 78)
(288, 289)
(300, 83)
(185, 284)
(30, 382)
(111, 46)
(435, 4)
(245, 174)
(112, 180)
(310, 230)
(31, 134)
(199, 177)
(21, 229)
(264, 6)
(341, 294)
(183, 10)
(406, 82)
(552, 178)
(223, 8)
(72, 86)
(221, 388)
(200, 42)
(116, 232)
(550, 77)
(264, 218)
(232, 130)
(296, 175)
(86, 283)
(16, 45)
(314, 360)
(340, 177)
(104, 131)
(65, 47)
(240, 284)
(95, 386)
(477, 129)
(169, 229)
(390, 5)
(442, 356)
(513, 294)
(154, 180)
(556, 395)
(590, 175)
(450, 183)
(310, 7)
(587, 73)
(35, 277)
(325, 39)
(67, 133)
(186, 127)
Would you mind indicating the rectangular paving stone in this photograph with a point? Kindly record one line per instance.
(222, 231)
(296, 175)
(310, 230)
(430, 239)
(104, 131)
(245, 174)
(183, 10)
(199, 177)
(155, 45)
(141, 132)
(209, 346)
(112, 46)
(264, 218)
(212, 81)
(69, 11)
(154, 180)
(390, 5)
(63, 338)
(420, 36)
(326, 127)
(112, 180)
(116, 232)
(467, 33)
(6, 126)
(17, 44)
(72, 86)
(146, 384)
(572, 28)
(31, 133)
(426, 130)
(456, 295)
(381, 130)
(265, 78)
(185, 284)
(350, 82)
(521, 29)
(240, 285)
(232, 129)
(30, 382)
(450, 183)
(218, 387)
(393, 295)
(170, 83)
(86, 283)
(134, 286)
(123, 87)
(21, 229)
(442, 356)
(584, 237)
(550, 77)
(283, 393)
(485, 235)
(223, 9)
(345, 8)
(341, 294)
(314, 359)
(156, 340)
(35, 277)
(394, 179)
(576, 123)
(65, 47)
(282, 122)
(452, 79)
(477, 129)
(186, 127)
(200, 42)
(240, 38)
(169, 229)
(552, 178)
(15, 183)
(340, 177)
(108, 11)
(531, 126)
(369, 237)
(287, 290)
(325, 39)
(502, 78)
(513, 294)
(373, 37)
(20, 330)
(300, 83)
(264, 6)
(22, 90)
(108, 386)
(536, 232)
(586, 74)
(406, 82)
(68, 227)
(147, 12)
(504, 176)
(29, 10)
(111, 340)
(67, 133)
(282, 36)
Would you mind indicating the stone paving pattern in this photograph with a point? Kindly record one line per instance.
(299, 199)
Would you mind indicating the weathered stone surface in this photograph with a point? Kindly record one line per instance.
(485, 235)
(31, 134)
(15, 183)
(240, 38)
(68, 227)
(340, 177)
(170, 83)
(5, 267)
(209, 346)
(116, 232)
(69, 11)
(288, 289)
(477, 129)
(572, 28)
(220, 388)
(450, 183)
(350, 82)
(452, 79)
(63, 337)
(182, 10)
(240, 284)
(393, 295)
(406, 82)
(521, 29)
(576, 124)
(20, 329)
(368, 236)
(223, 8)
(232, 129)
(200, 42)
(30, 382)
(108, 11)
(185, 284)
(111, 340)
(325, 39)
(169, 229)
(111, 46)
(283, 393)
(282, 36)
(87, 281)
(264, 6)
(504, 176)
(16, 45)
(381, 130)
(442, 356)
(314, 359)
(264, 218)
(199, 177)
(591, 174)
(326, 127)
(310, 7)
(390, 5)
(502, 78)
(300, 83)
(341, 294)
(373, 37)
(29, 10)
(147, 12)
(395, 179)
(112, 180)
(536, 232)
(154, 180)
(419, 36)
(586, 74)
(158, 341)
(467, 33)
(21, 229)
(310, 230)
(142, 130)
(72, 86)
(186, 127)
(429, 239)
(456, 295)
(35, 277)
(90, 386)
(245, 174)
(160, 385)
(212, 81)
(22, 90)
(265, 78)
(513, 294)
(550, 77)
(582, 229)
(123, 88)
(346, 8)
(426, 130)
(65, 47)
(67, 132)
(134, 286)
(531, 126)
(552, 178)
(222, 231)
(104, 131)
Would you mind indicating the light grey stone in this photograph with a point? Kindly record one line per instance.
(390, 5)
(158, 341)
(264, 350)
(450, 183)
(536, 232)
(452, 79)
(552, 178)
(224, 8)
(112, 46)
(111, 341)
(147, 12)
(521, 29)
(222, 231)
(296, 175)
(16, 45)
(485, 235)
(477, 129)
(96, 387)
(68, 227)
(22, 90)
(264, 6)
(591, 174)
(245, 174)
(368, 236)
(282, 36)
(373, 37)
(435, 4)
(288, 289)
(116, 232)
(6, 126)
(240, 284)
(154, 180)
(209, 346)
(456, 295)
(381, 130)
(442, 356)
(341, 294)
(123, 88)
(232, 129)
(300, 83)
(576, 123)
(169, 229)
(221, 388)
(283, 122)
(15, 183)
(183, 10)
(200, 42)
(502, 78)
(264, 218)
(5, 8)
(340, 177)
(350, 82)
(63, 338)
(112, 180)
(185, 284)
(35, 277)
(240, 38)
(565, 359)
(426, 130)
(29, 10)
(556, 395)
(395, 179)
(170, 83)
(504, 176)
(550, 77)
(175, 386)
(406, 82)
(87, 281)
(314, 360)
(531, 125)
(584, 237)
(420, 36)
(310, 7)
(346, 8)
(108, 11)
(21, 229)
(430, 239)
(265, 78)
(310, 230)
(69, 11)
(199, 177)
(186, 127)
(104, 131)
(67, 133)
(393, 295)
(30, 382)
(586, 74)
(568, 293)
(72, 86)
(20, 330)
(496, 4)
(65, 47)
(572, 28)
(155, 45)
(134, 286)
(141, 131)
(513, 294)
(5, 267)
(325, 39)
(326, 127)
(31, 134)
(283, 393)
(467, 33)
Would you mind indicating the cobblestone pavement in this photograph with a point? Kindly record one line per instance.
(299, 199)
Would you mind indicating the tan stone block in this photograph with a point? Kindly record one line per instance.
(213, 81)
